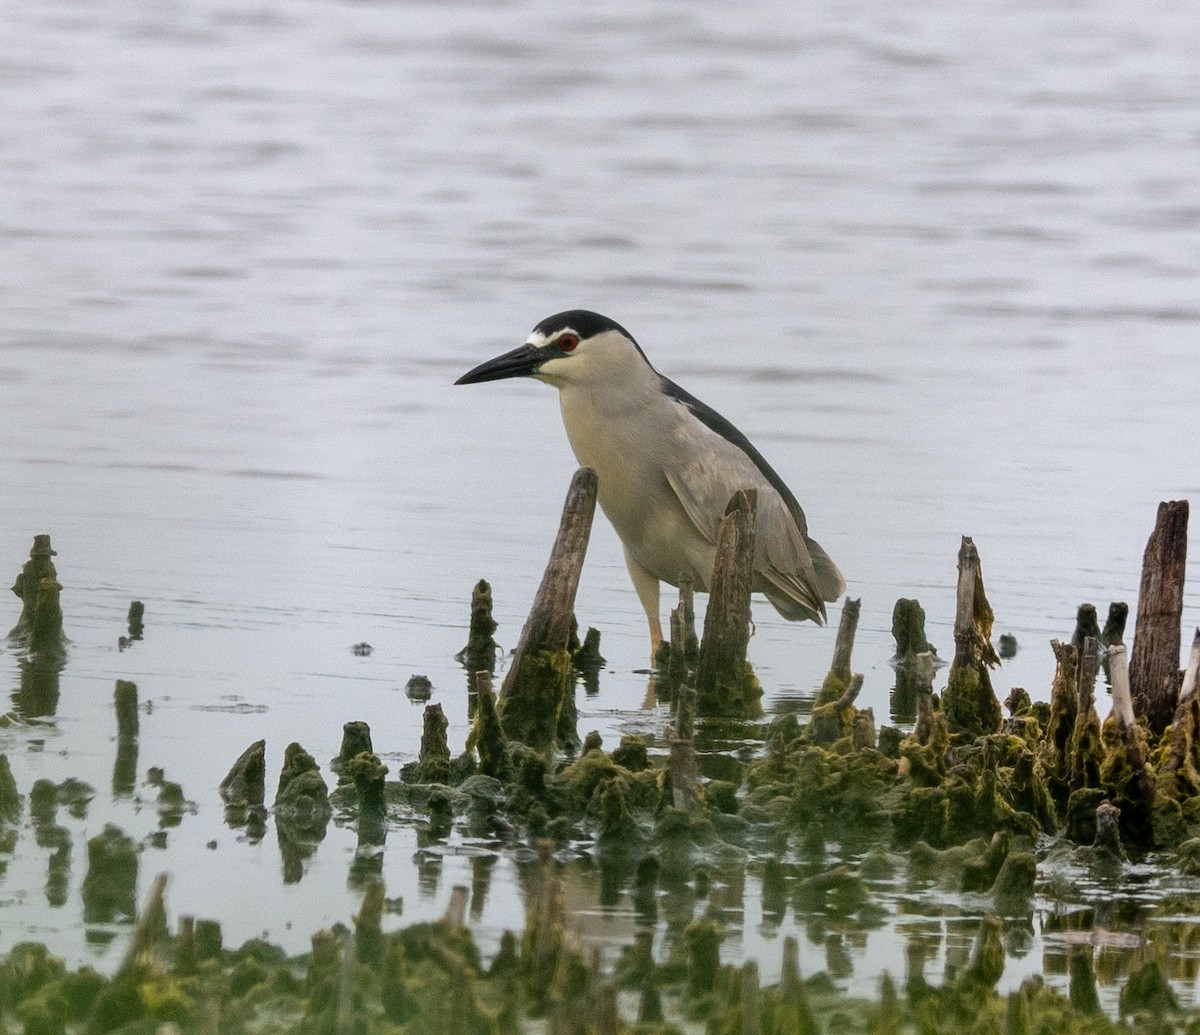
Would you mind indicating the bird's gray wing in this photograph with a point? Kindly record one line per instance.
(787, 564)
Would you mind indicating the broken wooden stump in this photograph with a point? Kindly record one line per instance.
(1114, 625)
(368, 774)
(356, 738)
(433, 762)
(301, 796)
(1086, 624)
(969, 702)
(1086, 748)
(539, 677)
(1123, 773)
(908, 630)
(683, 649)
(839, 675)
(244, 785)
(725, 681)
(1154, 663)
(914, 661)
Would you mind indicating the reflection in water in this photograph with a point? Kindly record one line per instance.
(37, 695)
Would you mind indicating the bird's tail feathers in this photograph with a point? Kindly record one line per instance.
(792, 597)
(827, 580)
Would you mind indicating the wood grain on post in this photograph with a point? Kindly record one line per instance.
(548, 626)
(969, 702)
(531, 697)
(721, 669)
(1154, 664)
(844, 645)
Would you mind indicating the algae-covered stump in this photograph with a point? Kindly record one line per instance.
(244, 785)
(725, 681)
(969, 702)
(39, 630)
(481, 648)
(539, 677)
(839, 675)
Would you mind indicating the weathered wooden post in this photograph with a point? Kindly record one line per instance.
(531, 698)
(725, 682)
(1154, 664)
(969, 702)
(908, 630)
(839, 675)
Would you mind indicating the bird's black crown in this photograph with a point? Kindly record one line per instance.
(583, 322)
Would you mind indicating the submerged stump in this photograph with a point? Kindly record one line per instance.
(531, 699)
(725, 682)
(839, 676)
(39, 629)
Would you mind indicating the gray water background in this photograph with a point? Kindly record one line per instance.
(940, 263)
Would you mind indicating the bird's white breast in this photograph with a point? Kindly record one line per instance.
(631, 438)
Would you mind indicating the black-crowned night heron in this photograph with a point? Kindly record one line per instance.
(667, 467)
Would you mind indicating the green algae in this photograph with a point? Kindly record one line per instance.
(39, 629)
(244, 785)
(531, 709)
(480, 651)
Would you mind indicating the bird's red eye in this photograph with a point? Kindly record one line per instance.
(567, 342)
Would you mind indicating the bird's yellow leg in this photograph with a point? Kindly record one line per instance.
(647, 591)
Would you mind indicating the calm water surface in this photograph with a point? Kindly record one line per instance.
(942, 265)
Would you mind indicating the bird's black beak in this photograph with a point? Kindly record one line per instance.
(521, 362)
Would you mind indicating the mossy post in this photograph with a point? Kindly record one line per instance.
(1055, 751)
(1154, 663)
(1114, 625)
(1086, 624)
(356, 738)
(487, 738)
(1086, 749)
(531, 698)
(725, 682)
(480, 651)
(1123, 772)
(135, 619)
(839, 671)
(301, 797)
(1179, 771)
(245, 783)
(969, 702)
(39, 628)
(433, 763)
(908, 630)
(368, 774)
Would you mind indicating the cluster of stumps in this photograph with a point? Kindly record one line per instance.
(967, 791)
